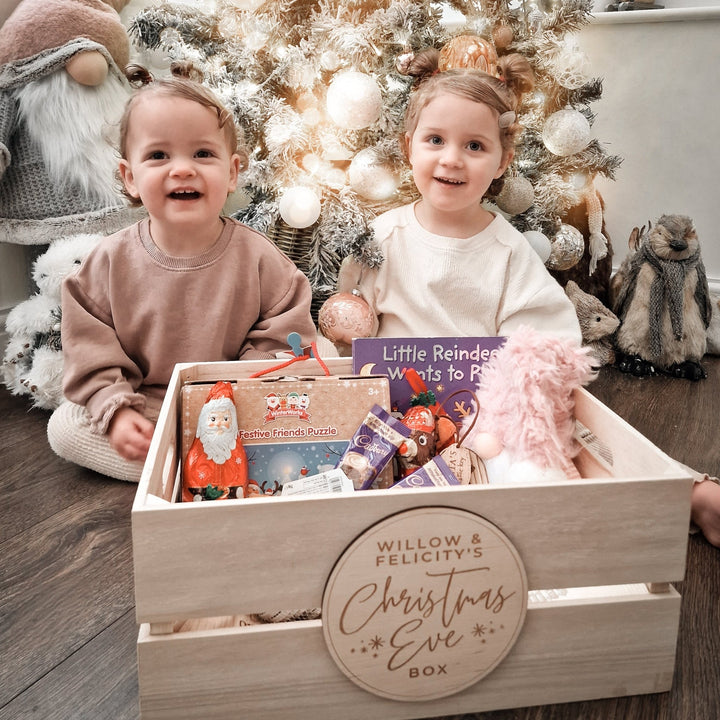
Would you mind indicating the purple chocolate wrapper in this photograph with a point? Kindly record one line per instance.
(372, 447)
(434, 473)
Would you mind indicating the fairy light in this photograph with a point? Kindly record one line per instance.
(311, 162)
(299, 207)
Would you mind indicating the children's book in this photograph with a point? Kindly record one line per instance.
(445, 365)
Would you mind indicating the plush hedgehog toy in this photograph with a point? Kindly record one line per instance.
(597, 323)
(525, 423)
(662, 299)
(33, 360)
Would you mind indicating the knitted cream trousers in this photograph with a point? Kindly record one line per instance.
(70, 437)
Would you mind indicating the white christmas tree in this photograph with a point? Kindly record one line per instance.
(318, 89)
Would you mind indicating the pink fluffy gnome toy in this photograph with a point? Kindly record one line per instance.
(526, 417)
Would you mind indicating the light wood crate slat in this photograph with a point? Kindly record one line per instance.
(566, 652)
(593, 532)
(192, 564)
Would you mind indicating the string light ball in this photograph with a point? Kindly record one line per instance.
(354, 100)
(469, 51)
(540, 243)
(299, 207)
(516, 196)
(345, 316)
(566, 248)
(566, 132)
(370, 178)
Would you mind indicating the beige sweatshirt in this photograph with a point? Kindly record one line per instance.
(131, 312)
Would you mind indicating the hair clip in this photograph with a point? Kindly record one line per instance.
(507, 119)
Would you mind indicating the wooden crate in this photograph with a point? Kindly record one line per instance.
(198, 566)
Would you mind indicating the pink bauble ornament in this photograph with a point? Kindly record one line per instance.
(345, 316)
(502, 36)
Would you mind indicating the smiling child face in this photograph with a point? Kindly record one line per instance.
(179, 163)
(455, 153)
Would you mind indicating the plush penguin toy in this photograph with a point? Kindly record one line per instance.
(662, 299)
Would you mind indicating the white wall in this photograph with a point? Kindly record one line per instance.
(659, 111)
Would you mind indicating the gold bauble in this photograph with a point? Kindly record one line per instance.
(502, 36)
(516, 196)
(469, 51)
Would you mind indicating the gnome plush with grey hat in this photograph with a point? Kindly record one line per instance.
(660, 293)
(61, 89)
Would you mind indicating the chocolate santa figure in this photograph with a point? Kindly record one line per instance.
(61, 89)
(216, 465)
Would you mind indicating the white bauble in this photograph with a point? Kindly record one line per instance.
(566, 132)
(370, 178)
(571, 67)
(354, 100)
(539, 243)
(299, 207)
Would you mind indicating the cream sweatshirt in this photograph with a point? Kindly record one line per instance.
(432, 286)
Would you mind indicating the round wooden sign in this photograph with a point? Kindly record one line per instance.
(424, 604)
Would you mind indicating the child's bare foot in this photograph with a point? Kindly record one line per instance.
(705, 510)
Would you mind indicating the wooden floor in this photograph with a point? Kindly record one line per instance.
(67, 623)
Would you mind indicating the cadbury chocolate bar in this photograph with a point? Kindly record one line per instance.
(433, 473)
(372, 447)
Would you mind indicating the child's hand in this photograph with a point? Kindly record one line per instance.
(130, 433)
